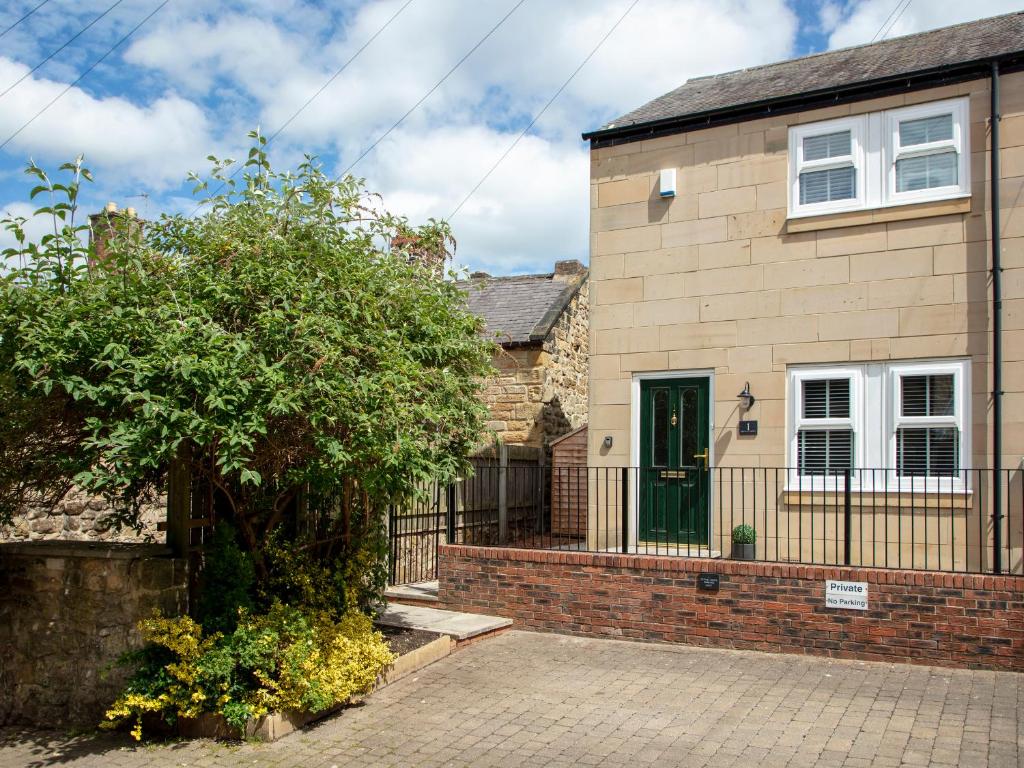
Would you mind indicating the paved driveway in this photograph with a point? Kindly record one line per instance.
(527, 699)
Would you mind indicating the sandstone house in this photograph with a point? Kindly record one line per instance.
(540, 324)
(792, 270)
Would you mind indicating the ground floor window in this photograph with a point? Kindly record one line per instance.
(906, 422)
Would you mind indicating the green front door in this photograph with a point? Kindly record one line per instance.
(674, 427)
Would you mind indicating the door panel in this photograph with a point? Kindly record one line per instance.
(674, 426)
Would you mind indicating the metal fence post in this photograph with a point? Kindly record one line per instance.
(392, 534)
(997, 517)
(847, 516)
(450, 513)
(502, 493)
(625, 510)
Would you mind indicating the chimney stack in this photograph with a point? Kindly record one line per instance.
(567, 269)
(109, 223)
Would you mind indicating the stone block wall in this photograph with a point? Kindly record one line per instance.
(918, 617)
(540, 391)
(67, 611)
(717, 278)
(514, 395)
(81, 517)
(565, 394)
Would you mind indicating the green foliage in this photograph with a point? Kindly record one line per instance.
(227, 582)
(286, 342)
(743, 534)
(283, 659)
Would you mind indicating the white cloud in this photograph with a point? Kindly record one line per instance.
(528, 214)
(861, 22)
(156, 143)
(217, 74)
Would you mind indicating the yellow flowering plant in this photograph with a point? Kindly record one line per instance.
(284, 659)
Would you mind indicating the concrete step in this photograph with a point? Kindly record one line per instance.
(458, 626)
(419, 593)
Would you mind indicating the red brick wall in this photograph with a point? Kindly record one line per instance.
(920, 617)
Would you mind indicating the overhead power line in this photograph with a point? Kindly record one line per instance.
(886, 28)
(82, 76)
(436, 85)
(67, 42)
(894, 21)
(312, 98)
(27, 14)
(544, 109)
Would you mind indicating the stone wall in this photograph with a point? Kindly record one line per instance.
(81, 517)
(67, 611)
(540, 392)
(514, 395)
(918, 617)
(567, 347)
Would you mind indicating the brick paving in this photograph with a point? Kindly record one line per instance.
(526, 699)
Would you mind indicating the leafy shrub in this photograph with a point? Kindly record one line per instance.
(283, 659)
(743, 534)
(227, 582)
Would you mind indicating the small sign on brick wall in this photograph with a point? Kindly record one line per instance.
(852, 595)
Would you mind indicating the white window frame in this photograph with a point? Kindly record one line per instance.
(960, 369)
(874, 417)
(875, 145)
(798, 165)
(893, 151)
(797, 377)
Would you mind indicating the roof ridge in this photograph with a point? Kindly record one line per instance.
(858, 46)
(917, 60)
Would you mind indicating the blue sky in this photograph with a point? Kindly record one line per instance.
(197, 76)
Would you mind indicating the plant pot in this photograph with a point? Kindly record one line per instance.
(743, 551)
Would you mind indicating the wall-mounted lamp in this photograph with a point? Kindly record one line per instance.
(607, 442)
(746, 397)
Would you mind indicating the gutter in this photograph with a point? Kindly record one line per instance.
(997, 329)
(845, 94)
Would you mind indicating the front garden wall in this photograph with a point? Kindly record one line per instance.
(67, 611)
(918, 617)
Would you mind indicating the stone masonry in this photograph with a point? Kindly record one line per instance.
(80, 517)
(540, 390)
(68, 610)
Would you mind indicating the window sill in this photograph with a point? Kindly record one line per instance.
(903, 212)
(951, 498)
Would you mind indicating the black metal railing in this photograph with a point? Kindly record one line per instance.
(860, 517)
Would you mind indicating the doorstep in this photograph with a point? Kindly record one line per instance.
(458, 626)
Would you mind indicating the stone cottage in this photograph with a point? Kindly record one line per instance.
(541, 324)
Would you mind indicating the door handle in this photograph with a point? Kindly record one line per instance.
(702, 456)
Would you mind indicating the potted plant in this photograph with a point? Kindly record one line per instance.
(743, 538)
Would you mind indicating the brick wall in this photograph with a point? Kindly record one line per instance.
(917, 617)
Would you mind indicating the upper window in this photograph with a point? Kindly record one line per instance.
(828, 166)
(926, 157)
(909, 155)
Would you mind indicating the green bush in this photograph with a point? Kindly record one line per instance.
(743, 534)
(283, 659)
(227, 582)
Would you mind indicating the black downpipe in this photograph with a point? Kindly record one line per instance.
(997, 334)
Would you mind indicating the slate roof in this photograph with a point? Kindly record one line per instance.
(969, 43)
(520, 309)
